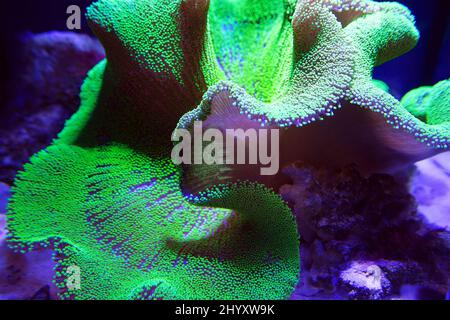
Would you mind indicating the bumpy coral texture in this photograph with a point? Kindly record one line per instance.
(322, 96)
(108, 199)
(106, 196)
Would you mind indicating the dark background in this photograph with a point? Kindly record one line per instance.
(427, 64)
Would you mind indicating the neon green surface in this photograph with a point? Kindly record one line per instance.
(107, 198)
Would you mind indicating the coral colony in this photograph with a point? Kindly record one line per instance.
(109, 201)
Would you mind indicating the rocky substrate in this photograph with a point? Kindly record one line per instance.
(49, 70)
(380, 237)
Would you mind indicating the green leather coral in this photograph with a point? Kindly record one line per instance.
(108, 199)
(121, 218)
(118, 215)
(106, 196)
(430, 104)
(329, 109)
